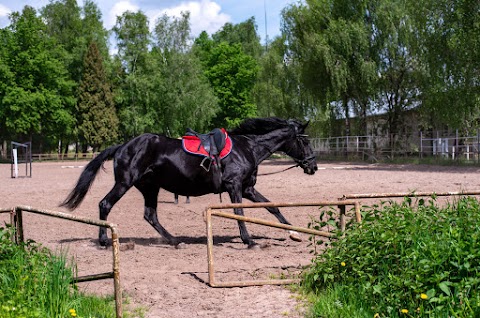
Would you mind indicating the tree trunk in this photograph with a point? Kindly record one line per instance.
(3, 150)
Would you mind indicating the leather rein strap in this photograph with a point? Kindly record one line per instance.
(275, 172)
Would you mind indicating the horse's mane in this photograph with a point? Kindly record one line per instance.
(261, 126)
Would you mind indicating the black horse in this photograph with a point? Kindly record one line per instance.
(150, 162)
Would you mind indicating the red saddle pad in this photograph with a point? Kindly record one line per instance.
(192, 144)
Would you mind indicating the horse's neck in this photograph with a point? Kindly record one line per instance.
(267, 144)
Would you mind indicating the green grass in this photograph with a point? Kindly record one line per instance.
(404, 260)
(35, 282)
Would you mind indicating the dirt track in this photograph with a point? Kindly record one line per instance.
(171, 282)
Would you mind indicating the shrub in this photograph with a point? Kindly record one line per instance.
(36, 283)
(420, 261)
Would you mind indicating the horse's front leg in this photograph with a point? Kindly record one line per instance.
(235, 194)
(253, 195)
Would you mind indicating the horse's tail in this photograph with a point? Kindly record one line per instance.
(76, 196)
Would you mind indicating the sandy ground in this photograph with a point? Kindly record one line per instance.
(171, 282)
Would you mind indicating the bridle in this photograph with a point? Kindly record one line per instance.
(299, 162)
(307, 159)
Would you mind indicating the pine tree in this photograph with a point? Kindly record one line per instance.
(98, 118)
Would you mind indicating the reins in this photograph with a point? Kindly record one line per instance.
(275, 172)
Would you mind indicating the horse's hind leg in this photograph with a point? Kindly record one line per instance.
(255, 196)
(150, 194)
(106, 205)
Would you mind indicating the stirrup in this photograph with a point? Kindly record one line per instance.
(202, 164)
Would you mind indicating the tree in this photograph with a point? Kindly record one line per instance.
(172, 35)
(93, 29)
(448, 43)
(244, 33)
(7, 79)
(74, 28)
(133, 39)
(63, 22)
(232, 74)
(269, 93)
(330, 39)
(39, 93)
(183, 95)
(133, 90)
(99, 121)
(398, 67)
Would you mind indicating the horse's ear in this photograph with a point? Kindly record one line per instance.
(304, 126)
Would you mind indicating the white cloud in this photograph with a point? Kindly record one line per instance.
(205, 15)
(117, 10)
(4, 11)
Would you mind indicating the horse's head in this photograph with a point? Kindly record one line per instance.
(298, 147)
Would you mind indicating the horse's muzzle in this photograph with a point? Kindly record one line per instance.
(309, 165)
(310, 170)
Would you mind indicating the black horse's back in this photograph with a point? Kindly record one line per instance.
(87, 177)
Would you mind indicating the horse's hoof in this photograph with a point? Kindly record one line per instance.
(295, 236)
(254, 246)
(103, 243)
(181, 246)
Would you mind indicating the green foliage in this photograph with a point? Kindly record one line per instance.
(132, 89)
(64, 24)
(133, 39)
(331, 40)
(170, 91)
(335, 59)
(232, 75)
(243, 33)
(37, 92)
(173, 34)
(369, 56)
(98, 121)
(424, 259)
(93, 29)
(36, 283)
(74, 28)
(185, 97)
(400, 69)
(450, 90)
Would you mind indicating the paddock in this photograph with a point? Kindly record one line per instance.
(173, 282)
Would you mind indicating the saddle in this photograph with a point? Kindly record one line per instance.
(213, 146)
(213, 142)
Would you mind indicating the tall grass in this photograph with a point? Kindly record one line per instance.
(34, 282)
(402, 261)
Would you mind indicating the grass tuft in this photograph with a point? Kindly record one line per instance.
(35, 282)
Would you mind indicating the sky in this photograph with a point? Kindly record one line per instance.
(205, 15)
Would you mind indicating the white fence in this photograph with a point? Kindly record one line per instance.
(421, 145)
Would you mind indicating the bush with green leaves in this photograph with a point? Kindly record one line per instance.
(403, 260)
(35, 282)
